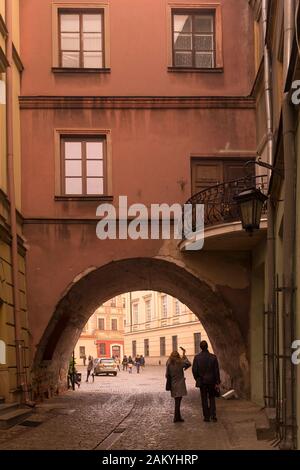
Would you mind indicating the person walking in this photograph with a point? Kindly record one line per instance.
(142, 361)
(176, 365)
(90, 367)
(207, 376)
(125, 363)
(84, 360)
(117, 361)
(130, 364)
(137, 364)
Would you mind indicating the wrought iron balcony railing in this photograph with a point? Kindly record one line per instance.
(220, 206)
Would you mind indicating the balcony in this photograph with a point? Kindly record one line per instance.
(222, 225)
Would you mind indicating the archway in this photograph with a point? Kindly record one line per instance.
(100, 285)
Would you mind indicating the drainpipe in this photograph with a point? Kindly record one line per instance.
(289, 124)
(11, 190)
(271, 387)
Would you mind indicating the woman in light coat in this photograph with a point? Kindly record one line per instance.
(176, 366)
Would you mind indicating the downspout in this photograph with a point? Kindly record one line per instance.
(271, 386)
(11, 191)
(289, 122)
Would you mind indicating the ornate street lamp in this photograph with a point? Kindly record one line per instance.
(250, 203)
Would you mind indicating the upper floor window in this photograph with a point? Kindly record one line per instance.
(83, 166)
(164, 306)
(81, 39)
(101, 324)
(135, 313)
(114, 324)
(148, 310)
(194, 39)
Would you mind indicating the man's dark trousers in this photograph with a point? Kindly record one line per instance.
(208, 393)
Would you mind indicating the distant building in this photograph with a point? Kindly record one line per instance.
(103, 335)
(157, 324)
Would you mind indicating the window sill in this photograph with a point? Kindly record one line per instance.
(195, 70)
(79, 70)
(83, 198)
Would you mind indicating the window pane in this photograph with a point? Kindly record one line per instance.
(73, 168)
(70, 42)
(70, 59)
(94, 186)
(183, 41)
(92, 23)
(182, 23)
(92, 42)
(183, 59)
(203, 43)
(92, 59)
(204, 24)
(204, 60)
(73, 150)
(95, 168)
(94, 150)
(69, 22)
(73, 186)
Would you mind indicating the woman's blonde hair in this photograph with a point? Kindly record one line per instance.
(174, 357)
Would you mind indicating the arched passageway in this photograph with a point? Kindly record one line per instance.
(100, 285)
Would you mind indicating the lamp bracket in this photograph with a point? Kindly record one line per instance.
(263, 164)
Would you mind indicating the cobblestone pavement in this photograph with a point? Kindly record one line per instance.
(132, 411)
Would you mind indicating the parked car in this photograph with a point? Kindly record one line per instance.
(105, 366)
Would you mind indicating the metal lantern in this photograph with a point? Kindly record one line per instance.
(251, 202)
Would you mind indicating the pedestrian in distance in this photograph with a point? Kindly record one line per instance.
(207, 376)
(137, 364)
(176, 365)
(117, 361)
(84, 360)
(125, 363)
(90, 367)
(130, 364)
(142, 361)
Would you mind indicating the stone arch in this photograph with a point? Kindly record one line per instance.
(89, 291)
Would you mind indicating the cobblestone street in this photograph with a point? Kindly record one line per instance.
(134, 412)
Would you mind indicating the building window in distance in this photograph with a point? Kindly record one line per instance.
(177, 307)
(164, 306)
(114, 324)
(162, 342)
(102, 349)
(148, 310)
(135, 312)
(101, 324)
(133, 349)
(81, 351)
(146, 348)
(174, 343)
(197, 341)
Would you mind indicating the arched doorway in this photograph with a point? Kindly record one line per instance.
(100, 285)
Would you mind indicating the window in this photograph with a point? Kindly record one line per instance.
(174, 343)
(135, 311)
(194, 39)
(162, 343)
(197, 341)
(124, 302)
(83, 166)
(164, 306)
(113, 302)
(148, 310)
(101, 324)
(133, 349)
(114, 324)
(146, 347)
(177, 307)
(81, 351)
(102, 349)
(81, 40)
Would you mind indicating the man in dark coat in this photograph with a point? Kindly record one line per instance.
(207, 376)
